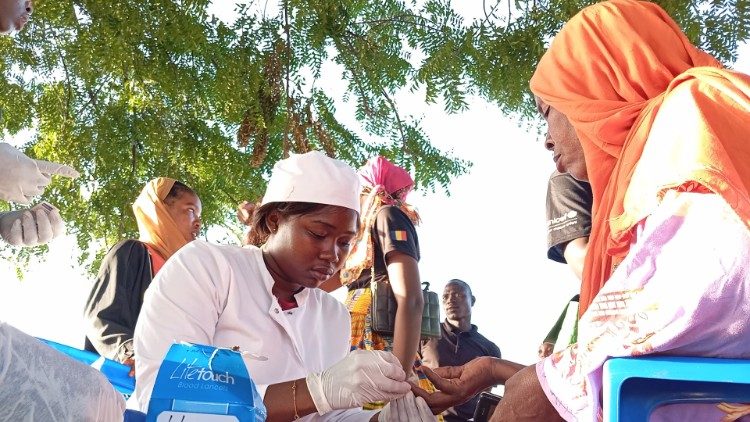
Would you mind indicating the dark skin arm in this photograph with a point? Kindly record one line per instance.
(523, 400)
(457, 384)
(279, 401)
(403, 274)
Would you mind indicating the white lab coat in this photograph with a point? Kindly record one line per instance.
(221, 296)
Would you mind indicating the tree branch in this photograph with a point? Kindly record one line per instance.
(491, 14)
(288, 64)
(400, 124)
(397, 19)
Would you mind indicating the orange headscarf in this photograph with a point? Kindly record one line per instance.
(155, 225)
(652, 113)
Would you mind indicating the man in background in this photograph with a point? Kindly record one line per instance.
(459, 343)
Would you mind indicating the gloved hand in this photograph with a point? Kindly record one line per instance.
(31, 227)
(407, 409)
(363, 376)
(22, 178)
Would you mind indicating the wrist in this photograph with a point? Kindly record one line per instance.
(313, 386)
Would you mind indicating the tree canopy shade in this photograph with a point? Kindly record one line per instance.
(129, 90)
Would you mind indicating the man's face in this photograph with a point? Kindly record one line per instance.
(457, 301)
(14, 14)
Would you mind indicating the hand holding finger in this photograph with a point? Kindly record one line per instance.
(444, 384)
(447, 372)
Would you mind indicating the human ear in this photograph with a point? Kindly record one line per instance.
(272, 221)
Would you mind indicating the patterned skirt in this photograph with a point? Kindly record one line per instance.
(363, 338)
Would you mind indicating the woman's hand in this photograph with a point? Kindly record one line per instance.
(363, 376)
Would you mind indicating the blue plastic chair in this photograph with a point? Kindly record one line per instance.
(634, 387)
(116, 373)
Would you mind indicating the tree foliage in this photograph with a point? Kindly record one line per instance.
(129, 90)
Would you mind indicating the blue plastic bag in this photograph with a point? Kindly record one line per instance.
(204, 383)
(116, 373)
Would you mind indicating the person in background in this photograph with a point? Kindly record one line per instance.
(386, 250)
(36, 381)
(460, 342)
(168, 214)
(659, 128)
(266, 300)
(245, 212)
(568, 227)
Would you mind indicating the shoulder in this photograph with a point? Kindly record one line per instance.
(391, 214)
(126, 250)
(564, 182)
(199, 251)
(489, 344)
(128, 245)
(199, 246)
(390, 211)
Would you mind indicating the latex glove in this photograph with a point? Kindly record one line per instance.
(363, 376)
(32, 227)
(22, 178)
(407, 409)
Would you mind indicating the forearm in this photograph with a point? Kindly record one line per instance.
(111, 339)
(280, 401)
(407, 329)
(403, 275)
(503, 369)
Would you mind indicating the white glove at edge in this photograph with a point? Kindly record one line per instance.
(408, 408)
(22, 178)
(363, 376)
(31, 227)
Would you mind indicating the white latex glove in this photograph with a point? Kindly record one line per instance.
(22, 178)
(363, 376)
(31, 227)
(408, 408)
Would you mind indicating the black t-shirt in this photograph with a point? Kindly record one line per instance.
(392, 231)
(455, 348)
(568, 213)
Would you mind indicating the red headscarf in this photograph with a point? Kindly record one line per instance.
(383, 183)
(380, 175)
(652, 113)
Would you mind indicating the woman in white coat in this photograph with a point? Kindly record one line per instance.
(266, 300)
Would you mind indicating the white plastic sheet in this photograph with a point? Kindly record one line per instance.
(38, 383)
